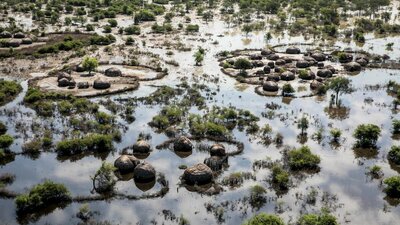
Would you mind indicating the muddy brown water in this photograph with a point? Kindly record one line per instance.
(354, 197)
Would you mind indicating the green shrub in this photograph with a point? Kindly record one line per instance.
(243, 64)
(3, 128)
(192, 28)
(214, 129)
(336, 133)
(396, 126)
(280, 177)
(41, 195)
(90, 143)
(112, 23)
(315, 219)
(394, 155)
(302, 159)
(8, 91)
(102, 40)
(392, 188)
(287, 89)
(264, 219)
(303, 74)
(145, 15)
(6, 141)
(367, 135)
(132, 30)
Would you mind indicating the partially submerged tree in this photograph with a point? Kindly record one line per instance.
(367, 135)
(199, 56)
(302, 124)
(340, 85)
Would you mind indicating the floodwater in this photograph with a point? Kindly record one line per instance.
(342, 183)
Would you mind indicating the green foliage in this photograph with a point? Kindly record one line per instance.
(317, 219)
(3, 128)
(89, 143)
(161, 29)
(336, 133)
(392, 186)
(303, 159)
(8, 91)
(104, 178)
(41, 196)
(90, 64)
(340, 85)
(264, 219)
(6, 141)
(367, 135)
(280, 177)
(67, 45)
(133, 29)
(287, 89)
(112, 23)
(394, 155)
(191, 28)
(243, 64)
(303, 124)
(102, 40)
(144, 15)
(257, 196)
(199, 56)
(396, 126)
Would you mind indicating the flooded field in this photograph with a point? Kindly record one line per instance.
(209, 101)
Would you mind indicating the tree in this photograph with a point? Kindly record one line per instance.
(263, 218)
(247, 28)
(340, 85)
(367, 135)
(90, 64)
(303, 159)
(242, 64)
(199, 56)
(303, 125)
(392, 188)
(394, 155)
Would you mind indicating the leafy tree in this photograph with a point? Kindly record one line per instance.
(6, 141)
(247, 28)
(41, 195)
(392, 188)
(264, 219)
(242, 64)
(367, 135)
(199, 56)
(315, 219)
(394, 155)
(396, 126)
(340, 85)
(302, 159)
(302, 124)
(90, 64)
(336, 133)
